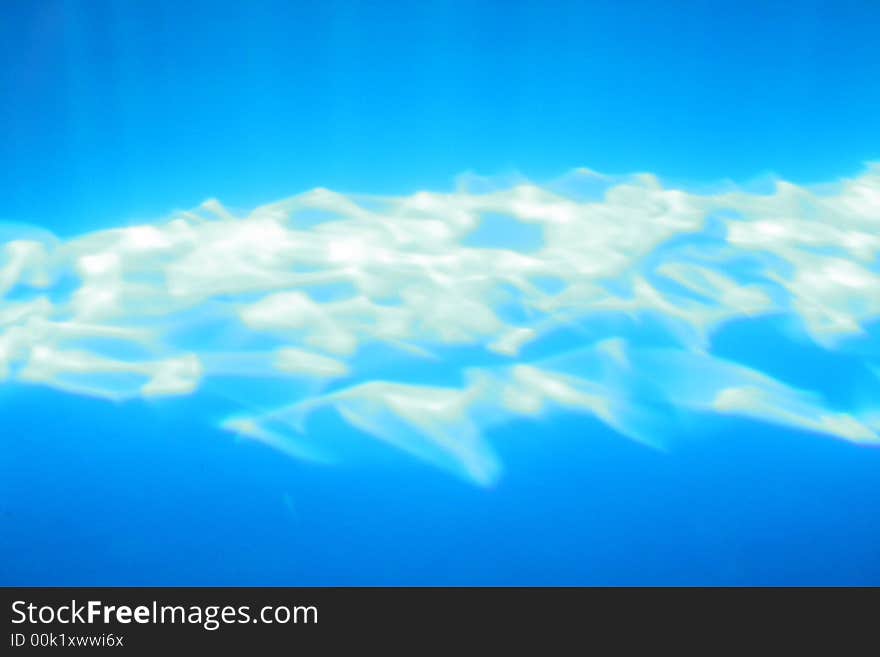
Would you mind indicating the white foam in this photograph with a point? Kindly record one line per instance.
(157, 309)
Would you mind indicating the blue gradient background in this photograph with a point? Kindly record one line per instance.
(114, 112)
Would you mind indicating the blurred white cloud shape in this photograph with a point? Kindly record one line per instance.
(308, 288)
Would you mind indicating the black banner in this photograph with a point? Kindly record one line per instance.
(285, 619)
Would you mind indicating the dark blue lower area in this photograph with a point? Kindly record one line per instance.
(95, 493)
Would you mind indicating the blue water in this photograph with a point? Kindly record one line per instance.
(114, 113)
(90, 500)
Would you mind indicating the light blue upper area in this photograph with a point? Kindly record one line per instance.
(119, 111)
